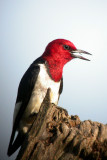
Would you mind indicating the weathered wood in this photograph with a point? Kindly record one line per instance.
(55, 135)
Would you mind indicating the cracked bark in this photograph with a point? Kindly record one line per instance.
(55, 135)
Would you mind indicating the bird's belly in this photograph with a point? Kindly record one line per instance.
(38, 96)
(34, 106)
(39, 92)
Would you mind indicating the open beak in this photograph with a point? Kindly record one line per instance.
(75, 55)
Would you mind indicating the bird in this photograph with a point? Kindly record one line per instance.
(45, 72)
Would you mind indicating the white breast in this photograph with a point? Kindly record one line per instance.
(38, 94)
(40, 89)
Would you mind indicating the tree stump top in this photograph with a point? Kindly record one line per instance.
(55, 135)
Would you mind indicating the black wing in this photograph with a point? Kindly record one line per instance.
(61, 86)
(24, 93)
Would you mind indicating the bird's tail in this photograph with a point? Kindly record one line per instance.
(16, 144)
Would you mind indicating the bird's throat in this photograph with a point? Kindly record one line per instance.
(55, 70)
(56, 74)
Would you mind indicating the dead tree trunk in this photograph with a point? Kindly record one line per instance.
(55, 135)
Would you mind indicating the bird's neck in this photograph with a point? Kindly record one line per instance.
(55, 71)
(55, 68)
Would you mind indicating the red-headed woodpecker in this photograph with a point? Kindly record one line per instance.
(45, 72)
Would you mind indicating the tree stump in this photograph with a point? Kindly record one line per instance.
(55, 135)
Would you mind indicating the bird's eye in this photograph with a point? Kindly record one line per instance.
(66, 47)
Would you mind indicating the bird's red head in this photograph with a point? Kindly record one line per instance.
(57, 54)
